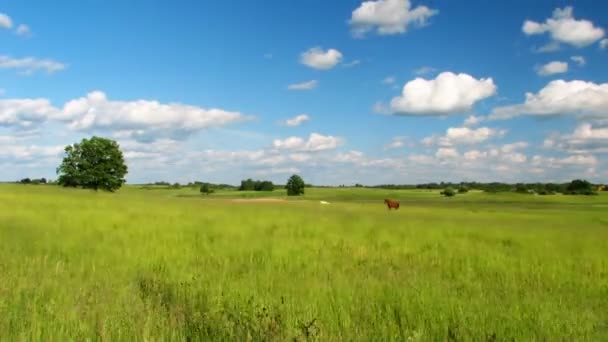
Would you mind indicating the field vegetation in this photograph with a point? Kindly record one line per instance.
(158, 263)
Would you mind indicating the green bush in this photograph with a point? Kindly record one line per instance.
(449, 192)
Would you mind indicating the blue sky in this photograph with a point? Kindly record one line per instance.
(386, 91)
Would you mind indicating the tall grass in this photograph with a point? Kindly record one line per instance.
(150, 265)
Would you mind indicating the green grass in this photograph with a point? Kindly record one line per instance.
(175, 265)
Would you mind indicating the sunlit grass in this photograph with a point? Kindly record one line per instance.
(173, 264)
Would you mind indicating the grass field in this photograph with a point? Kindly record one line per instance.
(155, 264)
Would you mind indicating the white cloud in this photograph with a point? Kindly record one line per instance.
(397, 142)
(509, 148)
(561, 97)
(585, 139)
(551, 68)
(145, 119)
(424, 70)
(573, 160)
(5, 21)
(565, 29)
(24, 112)
(604, 43)
(464, 135)
(473, 120)
(30, 65)
(317, 58)
(30, 152)
(315, 142)
(580, 60)
(141, 119)
(389, 80)
(474, 155)
(281, 171)
(421, 159)
(303, 86)
(448, 93)
(549, 47)
(350, 157)
(297, 120)
(388, 17)
(447, 152)
(351, 64)
(23, 30)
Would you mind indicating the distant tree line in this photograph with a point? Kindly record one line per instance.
(33, 181)
(575, 187)
(256, 185)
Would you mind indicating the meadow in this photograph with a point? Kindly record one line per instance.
(171, 264)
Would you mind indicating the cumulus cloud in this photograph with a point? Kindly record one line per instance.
(5, 21)
(396, 142)
(315, 142)
(29, 152)
(297, 120)
(551, 68)
(30, 65)
(25, 112)
(509, 148)
(580, 60)
(388, 17)
(141, 119)
(319, 59)
(303, 86)
(559, 97)
(473, 120)
(464, 135)
(446, 94)
(474, 155)
(447, 152)
(585, 139)
(564, 28)
(572, 160)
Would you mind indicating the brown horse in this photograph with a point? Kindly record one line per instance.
(391, 204)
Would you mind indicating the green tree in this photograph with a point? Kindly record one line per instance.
(95, 163)
(295, 186)
(206, 189)
(264, 186)
(579, 187)
(449, 192)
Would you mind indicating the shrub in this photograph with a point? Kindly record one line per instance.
(463, 189)
(449, 192)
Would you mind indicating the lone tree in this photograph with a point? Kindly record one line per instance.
(206, 189)
(295, 186)
(95, 163)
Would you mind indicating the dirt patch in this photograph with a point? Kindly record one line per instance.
(258, 200)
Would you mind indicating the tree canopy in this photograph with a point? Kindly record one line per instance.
(95, 163)
(295, 186)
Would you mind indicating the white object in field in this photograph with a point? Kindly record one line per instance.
(324, 202)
